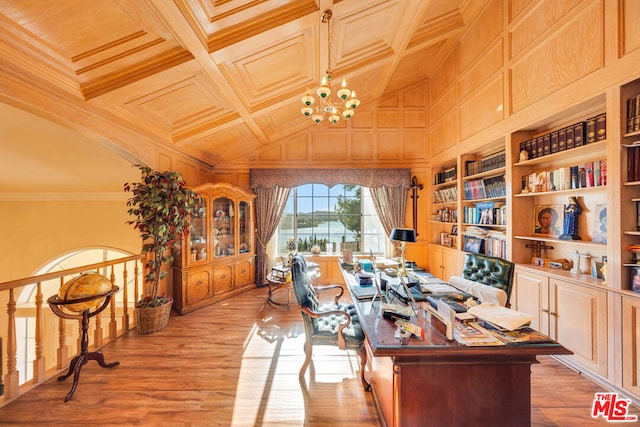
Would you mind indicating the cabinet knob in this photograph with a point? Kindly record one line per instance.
(199, 282)
(552, 313)
(544, 310)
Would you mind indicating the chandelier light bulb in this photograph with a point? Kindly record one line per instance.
(353, 102)
(347, 113)
(308, 99)
(334, 118)
(324, 90)
(307, 111)
(317, 117)
(344, 92)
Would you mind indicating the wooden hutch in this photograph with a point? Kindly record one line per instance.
(216, 259)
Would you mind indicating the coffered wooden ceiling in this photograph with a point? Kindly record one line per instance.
(213, 79)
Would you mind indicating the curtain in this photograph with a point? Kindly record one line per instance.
(390, 204)
(270, 204)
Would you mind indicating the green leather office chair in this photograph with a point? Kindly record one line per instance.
(333, 324)
(489, 270)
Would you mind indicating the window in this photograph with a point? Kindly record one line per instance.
(333, 218)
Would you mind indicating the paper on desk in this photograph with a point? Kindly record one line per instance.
(502, 317)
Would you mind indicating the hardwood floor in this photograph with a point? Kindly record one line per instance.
(236, 364)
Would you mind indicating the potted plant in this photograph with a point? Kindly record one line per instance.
(161, 205)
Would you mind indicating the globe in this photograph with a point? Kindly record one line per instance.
(83, 286)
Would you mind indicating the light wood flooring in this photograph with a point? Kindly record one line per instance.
(236, 364)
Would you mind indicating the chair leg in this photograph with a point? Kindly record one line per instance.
(362, 352)
(308, 349)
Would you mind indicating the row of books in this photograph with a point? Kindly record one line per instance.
(485, 188)
(576, 135)
(495, 246)
(633, 114)
(486, 163)
(445, 215)
(445, 176)
(445, 195)
(633, 164)
(485, 213)
(584, 175)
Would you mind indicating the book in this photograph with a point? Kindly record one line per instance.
(582, 178)
(546, 144)
(554, 142)
(562, 139)
(570, 130)
(590, 126)
(578, 134)
(564, 178)
(540, 146)
(601, 127)
(588, 172)
(603, 171)
(597, 181)
(573, 171)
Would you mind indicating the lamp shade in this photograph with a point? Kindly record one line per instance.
(403, 234)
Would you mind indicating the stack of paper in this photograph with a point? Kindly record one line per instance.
(502, 317)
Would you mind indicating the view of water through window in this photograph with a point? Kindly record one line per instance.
(330, 219)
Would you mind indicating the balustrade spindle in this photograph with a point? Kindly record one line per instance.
(12, 378)
(39, 363)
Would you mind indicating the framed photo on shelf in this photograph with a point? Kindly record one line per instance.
(446, 239)
(473, 244)
(454, 230)
(600, 224)
(547, 220)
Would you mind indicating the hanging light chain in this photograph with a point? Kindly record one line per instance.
(327, 105)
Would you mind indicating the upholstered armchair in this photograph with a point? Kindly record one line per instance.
(491, 271)
(334, 324)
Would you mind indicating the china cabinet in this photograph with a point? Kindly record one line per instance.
(216, 260)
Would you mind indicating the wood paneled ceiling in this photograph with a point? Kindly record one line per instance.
(215, 80)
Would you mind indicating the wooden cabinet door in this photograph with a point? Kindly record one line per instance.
(223, 278)
(581, 322)
(530, 295)
(435, 261)
(631, 344)
(450, 264)
(199, 287)
(244, 273)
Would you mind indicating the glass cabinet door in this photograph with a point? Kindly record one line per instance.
(198, 234)
(223, 227)
(244, 222)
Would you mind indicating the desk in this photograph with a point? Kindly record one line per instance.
(435, 382)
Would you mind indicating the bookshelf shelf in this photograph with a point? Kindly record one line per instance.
(572, 190)
(490, 199)
(632, 233)
(557, 240)
(487, 174)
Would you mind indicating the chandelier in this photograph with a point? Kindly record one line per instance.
(345, 103)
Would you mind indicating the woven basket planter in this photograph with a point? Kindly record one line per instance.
(152, 319)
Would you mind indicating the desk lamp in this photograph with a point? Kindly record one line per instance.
(403, 235)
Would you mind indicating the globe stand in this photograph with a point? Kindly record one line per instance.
(85, 355)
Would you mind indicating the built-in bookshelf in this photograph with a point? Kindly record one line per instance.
(546, 180)
(444, 205)
(630, 193)
(468, 205)
(483, 205)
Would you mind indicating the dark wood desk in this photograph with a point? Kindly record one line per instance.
(435, 382)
